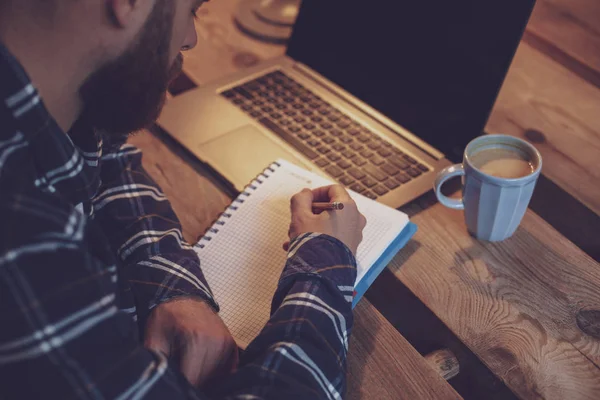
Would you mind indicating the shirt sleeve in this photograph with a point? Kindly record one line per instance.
(62, 333)
(301, 352)
(145, 234)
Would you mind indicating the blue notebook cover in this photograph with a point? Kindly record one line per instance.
(361, 287)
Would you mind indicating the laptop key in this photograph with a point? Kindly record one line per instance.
(333, 118)
(397, 151)
(380, 190)
(359, 161)
(258, 103)
(322, 162)
(255, 114)
(267, 109)
(346, 180)
(246, 107)
(299, 119)
(243, 92)
(229, 94)
(357, 187)
(329, 140)
(356, 146)
(398, 162)
(384, 152)
(288, 99)
(338, 147)
(343, 124)
(346, 139)
(348, 153)
(326, 125)
(281, 106)
(423, 168)
(307, 112)
(369, 182)
(374, 145)
(324, 150)
(356, 173)
(413, 172)
(334, 171)
(402, 177)
(410, 159)
(324, 111)
(389, 169)
(303, 135)
(285, 122)
(295, 142)
(276, 116)
(290, 113)
(370, 195)
(298, 106)
(366, 153)
(313, 142)
(377, 160)
(344, 164)
(309, 126)
(354, 132)
(375, 172)
(363, 138)
(336, 132)
(317, 119)
(334, 157)
(295, 129)
(319, 133)
(391, 184)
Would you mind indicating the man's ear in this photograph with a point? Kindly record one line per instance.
(122, 12)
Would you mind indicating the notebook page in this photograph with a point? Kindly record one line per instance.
(243, 261)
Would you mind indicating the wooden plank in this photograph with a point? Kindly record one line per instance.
(515, 304)
(571, 27)
(383, 365)
(541, 96)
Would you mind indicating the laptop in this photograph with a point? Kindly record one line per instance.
(378, 96)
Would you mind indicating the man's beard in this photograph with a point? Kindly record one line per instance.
(128, 94)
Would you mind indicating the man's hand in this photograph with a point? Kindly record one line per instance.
(346, 225)
(192, 336)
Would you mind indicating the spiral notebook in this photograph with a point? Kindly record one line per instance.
(242, 256)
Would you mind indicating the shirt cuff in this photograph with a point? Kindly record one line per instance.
(322, 255)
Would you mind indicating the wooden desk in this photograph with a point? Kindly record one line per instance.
(529, 307)
(382, 364)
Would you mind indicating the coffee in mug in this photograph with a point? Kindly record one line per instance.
(501, 162)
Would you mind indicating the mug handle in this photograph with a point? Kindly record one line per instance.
(443, 176)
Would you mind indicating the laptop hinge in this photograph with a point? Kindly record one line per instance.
(373, 113)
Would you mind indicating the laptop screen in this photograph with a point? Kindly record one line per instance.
(435, 67)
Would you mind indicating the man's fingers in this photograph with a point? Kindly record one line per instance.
(286, 246)
(302, 202)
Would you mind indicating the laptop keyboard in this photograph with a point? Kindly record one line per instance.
(348, 151)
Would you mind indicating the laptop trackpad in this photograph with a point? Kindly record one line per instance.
(242, 154)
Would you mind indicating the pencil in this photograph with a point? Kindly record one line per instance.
(336, 205)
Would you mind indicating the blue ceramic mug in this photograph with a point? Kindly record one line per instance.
(499, 173)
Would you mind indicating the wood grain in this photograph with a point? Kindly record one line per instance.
(571, 27)
(515, 304)
(381, 364)
(541, 96)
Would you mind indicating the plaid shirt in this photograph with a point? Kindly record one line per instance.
(89, 245)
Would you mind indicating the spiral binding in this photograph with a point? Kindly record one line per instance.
(221, 219)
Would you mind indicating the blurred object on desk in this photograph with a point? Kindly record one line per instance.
(267, 20)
